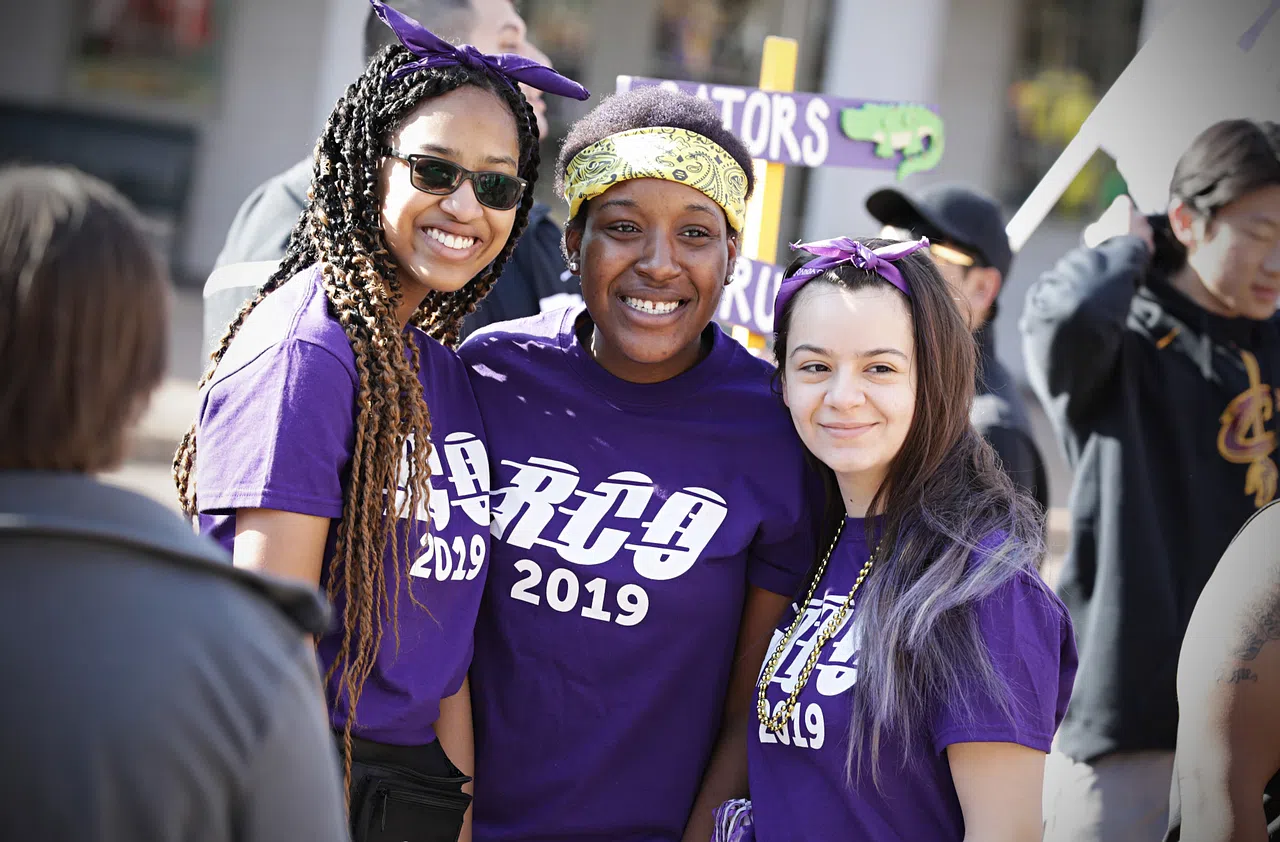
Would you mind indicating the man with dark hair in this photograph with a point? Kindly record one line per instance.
(968, 243)
(535, 277)
(152, 690)
(1154, 350)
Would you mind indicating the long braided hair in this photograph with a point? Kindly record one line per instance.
(341, 231)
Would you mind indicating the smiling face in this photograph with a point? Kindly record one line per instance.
(654, 255)
(1237, 254)
(442, 242)
(849, 379)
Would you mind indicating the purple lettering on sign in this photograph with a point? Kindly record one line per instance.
(809, 130)
(748, 301)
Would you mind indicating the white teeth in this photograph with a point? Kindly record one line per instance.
(453, 241)
(657, 308)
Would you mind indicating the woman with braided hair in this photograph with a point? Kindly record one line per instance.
(335, 409)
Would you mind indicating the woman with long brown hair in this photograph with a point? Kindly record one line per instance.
(914, 691)
(339, 441)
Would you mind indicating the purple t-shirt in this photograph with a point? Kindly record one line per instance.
(628, 521)
(799, 789)
(276, 430)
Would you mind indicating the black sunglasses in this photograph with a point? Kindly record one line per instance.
(440, 177)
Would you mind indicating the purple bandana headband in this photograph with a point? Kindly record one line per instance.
(433, 51)
(842, 250)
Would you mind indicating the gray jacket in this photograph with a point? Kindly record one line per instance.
(152, 691)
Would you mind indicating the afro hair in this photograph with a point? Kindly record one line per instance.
(641, 108)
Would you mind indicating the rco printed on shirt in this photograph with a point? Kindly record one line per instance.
(625, 515)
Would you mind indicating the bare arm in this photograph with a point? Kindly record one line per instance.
(726, 775)
(454, 731)
(284, 544)
(999, 786)
(1229, 691)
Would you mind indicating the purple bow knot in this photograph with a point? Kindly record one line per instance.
(841, 250)
(433, 51)
(468, 56)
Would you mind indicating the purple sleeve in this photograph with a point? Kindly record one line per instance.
(277, 434)
(1031, 645)
(784, 549)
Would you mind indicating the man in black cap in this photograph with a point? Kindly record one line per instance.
(968, 243)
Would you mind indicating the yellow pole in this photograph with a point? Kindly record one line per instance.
(764, 211)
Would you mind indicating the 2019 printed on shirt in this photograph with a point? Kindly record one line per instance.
(665, 539)
(834, 675)
(465, 487)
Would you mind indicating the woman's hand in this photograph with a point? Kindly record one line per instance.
(1000, 786)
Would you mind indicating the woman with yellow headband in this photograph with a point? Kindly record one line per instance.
(650, 512)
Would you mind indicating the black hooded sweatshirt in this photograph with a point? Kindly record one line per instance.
(1165, 413)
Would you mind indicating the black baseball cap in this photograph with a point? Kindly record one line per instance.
(957, 215)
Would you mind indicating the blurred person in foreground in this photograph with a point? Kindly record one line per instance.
(965, 229)
(1155, 351)
(154, 692)
(1226, 783)
(535, 279)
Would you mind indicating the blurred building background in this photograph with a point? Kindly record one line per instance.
(189, 104)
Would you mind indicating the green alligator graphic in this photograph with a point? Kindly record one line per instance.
(898, 128)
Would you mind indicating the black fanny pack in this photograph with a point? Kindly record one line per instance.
(405, 798)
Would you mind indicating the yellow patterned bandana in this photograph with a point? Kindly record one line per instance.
(677, 155)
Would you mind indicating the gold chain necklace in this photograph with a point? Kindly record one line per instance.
(778, 721)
